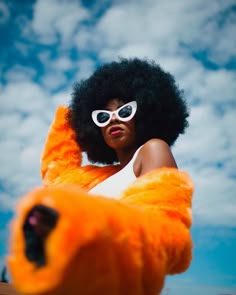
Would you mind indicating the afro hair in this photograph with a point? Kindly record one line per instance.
(161, 113)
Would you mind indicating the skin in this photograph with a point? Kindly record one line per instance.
(123, 143)
(155, 153)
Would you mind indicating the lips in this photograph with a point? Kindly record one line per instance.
(115, 130)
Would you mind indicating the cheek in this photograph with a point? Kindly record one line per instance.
(130, 133)
(103, 131)
(131, 128)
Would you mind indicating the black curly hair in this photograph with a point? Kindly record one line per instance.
(161, 113)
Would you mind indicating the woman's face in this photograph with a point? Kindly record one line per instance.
(117, 134)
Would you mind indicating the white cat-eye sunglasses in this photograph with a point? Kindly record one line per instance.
(124, 113)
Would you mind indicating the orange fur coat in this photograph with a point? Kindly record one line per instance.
(102, 245)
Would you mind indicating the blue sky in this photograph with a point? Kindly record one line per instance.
(47, 45)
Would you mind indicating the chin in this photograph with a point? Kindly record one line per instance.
(121, 144)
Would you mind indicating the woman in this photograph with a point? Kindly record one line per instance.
(152, 115)
(120, 136)
(119, 227)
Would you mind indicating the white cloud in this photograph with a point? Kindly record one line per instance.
(85, 67)
(60, 98)
(224, 50)
(4, 13)
(26, 115)
(55, 71)
(22, 48)
(83, 38)
(217, 31)
(63, 63)
(207, 145)
(23, 96)
(19, 73)
(57, 17)
(7, 203)
(167, 25)
(129, 51)
(53, 79)
(167, 32)
(20, 157)
(214, 198)
(214, 86)
(208, 131)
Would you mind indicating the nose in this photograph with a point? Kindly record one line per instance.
(39, 222)
(114, 117)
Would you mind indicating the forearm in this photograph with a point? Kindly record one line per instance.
(98, 246)
(60, 152)
(102, 245)
(165, 195)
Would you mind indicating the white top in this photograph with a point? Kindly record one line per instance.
(114, 185)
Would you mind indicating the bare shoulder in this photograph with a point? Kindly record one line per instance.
(155, 153)
(154, 144)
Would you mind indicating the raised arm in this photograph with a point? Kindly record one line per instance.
(60, 152)
(61, 158)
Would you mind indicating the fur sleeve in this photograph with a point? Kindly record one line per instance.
(100, 245)
(60, 151)
(61, 158)
(166, 194)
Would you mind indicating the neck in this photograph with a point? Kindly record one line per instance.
(124, 156)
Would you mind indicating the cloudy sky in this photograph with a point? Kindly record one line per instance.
(48, 45)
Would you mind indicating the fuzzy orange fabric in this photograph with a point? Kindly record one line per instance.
(62, 157)
(102, 245)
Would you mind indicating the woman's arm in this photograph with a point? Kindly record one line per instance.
(61, 158)
(60, 152)
(99, 245)
(165, 194)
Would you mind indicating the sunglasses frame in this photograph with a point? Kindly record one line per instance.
(95, 113)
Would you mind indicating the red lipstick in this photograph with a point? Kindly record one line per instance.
(115, 130)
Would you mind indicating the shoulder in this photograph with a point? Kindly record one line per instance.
(154, 148)
(154, 144)
(155, 153)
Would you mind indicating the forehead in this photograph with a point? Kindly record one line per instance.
(114, 104)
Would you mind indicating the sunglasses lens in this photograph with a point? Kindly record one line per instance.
(125, 112)
(102, 117)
